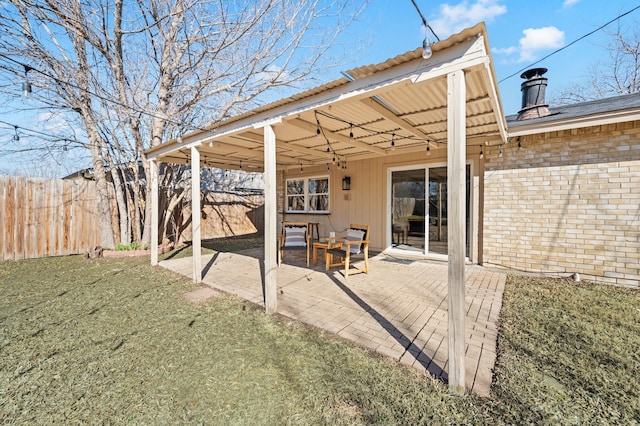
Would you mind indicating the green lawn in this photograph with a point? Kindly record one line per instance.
(115, 341)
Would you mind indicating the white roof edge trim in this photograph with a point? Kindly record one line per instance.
(173, 148)
(600, 120)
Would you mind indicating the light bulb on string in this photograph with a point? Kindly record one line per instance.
(26, 85)
(351, 131)
(393, 142)
(481, 153)
(428, 150)
(426, 48)
(500, 154)
(16, 137)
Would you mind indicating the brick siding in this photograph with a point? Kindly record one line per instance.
(566, 202)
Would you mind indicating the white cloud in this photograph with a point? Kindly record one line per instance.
(505, 50)
(454, 18)
(539, 39)
(569, 3)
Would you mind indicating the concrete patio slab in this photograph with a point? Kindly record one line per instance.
(399, 309)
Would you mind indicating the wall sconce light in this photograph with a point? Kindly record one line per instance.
(346, 183)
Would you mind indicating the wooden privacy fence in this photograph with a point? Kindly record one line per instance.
(42, 217)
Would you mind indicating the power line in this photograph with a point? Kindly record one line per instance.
(570, 44)
(424, 21)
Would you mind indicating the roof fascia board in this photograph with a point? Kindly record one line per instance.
(495, 103)
(466, 55)
(164, 149)
(576, 123)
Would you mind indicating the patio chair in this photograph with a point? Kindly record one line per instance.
(295, 236)
(356, 243)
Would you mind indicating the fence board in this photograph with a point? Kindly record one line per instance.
(2, 225)
(46, 217)
(41, 217)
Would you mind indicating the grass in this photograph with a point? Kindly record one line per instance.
(86, 341)
(569, 353)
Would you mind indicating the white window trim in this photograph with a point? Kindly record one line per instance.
(307, 195)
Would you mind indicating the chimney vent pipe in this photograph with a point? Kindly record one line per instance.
(533, 93)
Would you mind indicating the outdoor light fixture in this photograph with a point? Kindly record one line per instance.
(428, 150)
(426, 48)
(346, 183)
(393, 142)
(16, 137)
(179, 140)
(481, 153)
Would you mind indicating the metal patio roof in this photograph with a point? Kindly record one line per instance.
(403, 99)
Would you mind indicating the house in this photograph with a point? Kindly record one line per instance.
(421, 151)
(563, 197)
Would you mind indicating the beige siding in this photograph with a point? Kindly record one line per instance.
(366, 201)
(567, 202)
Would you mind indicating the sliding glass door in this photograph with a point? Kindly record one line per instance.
(408, 209)
(419, 209)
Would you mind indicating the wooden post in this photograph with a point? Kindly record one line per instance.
(153, 170)
(270, 222)
(196, 242)
(456, 189)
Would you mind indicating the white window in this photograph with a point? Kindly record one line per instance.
(308, 195)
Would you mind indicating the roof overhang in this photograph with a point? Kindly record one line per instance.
(599, 112)
(405, 96)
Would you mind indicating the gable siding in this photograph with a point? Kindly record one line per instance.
(566, 202)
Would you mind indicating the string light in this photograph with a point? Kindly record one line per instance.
(500, 155)
(426, 46)
(351, 130)
(393, 142)
(481, 153)
(26, 85)
(16, 137)
(428, 149)
(364, 128)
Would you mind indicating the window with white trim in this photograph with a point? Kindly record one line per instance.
(308, 195)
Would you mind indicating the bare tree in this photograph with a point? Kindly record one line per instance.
(618, 75)
(139, 72)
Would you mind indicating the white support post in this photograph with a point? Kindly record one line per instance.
(196, 242)
(153, 171)
(270, 222)
(456, 175)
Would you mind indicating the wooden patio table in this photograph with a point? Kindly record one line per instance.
(323, 244)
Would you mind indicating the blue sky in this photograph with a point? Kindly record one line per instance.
(520, 33)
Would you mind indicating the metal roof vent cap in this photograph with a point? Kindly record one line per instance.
(533, 91)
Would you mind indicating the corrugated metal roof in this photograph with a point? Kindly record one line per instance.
(391, 98)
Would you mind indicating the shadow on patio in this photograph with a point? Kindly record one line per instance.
(398, 310)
